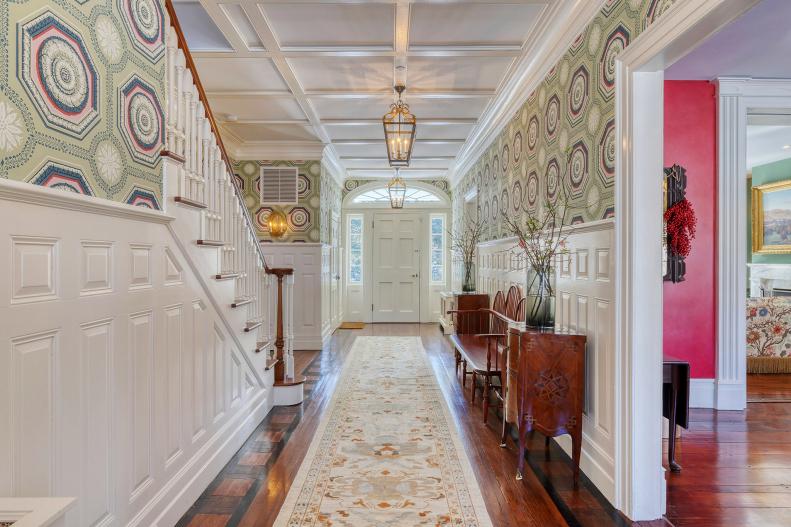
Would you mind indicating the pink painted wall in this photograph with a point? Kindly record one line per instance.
(690, 307)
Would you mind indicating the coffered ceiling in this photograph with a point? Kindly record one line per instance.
(287, 78)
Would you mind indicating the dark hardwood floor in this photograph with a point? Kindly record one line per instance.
(736, 465)
(252, 487)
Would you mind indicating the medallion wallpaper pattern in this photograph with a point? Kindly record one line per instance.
(82, 94)
(330, 199)
(309, 219)
(564, 134)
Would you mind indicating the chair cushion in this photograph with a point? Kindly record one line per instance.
(473, 349)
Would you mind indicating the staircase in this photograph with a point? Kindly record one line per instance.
(211, 216)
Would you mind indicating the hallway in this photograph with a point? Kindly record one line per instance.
(253, 486)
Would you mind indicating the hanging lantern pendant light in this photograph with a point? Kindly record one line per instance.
(397, 191)
(399, 125)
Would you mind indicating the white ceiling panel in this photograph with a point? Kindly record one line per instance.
(331, 25)
(266, 132)
(457, 73)
(239, 74)
(382, 164)
(273, 108)
(200, 31)
(407, 173)
(767, 144)
(281, 74)
(343, 73)
(375, 131)
(472, 23)
(375, 108)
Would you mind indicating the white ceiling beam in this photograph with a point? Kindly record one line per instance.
(519, 2)
(302, 122)
(250, 93)
(224, 24)
(266, 35)
(421, 122)
(382, 140)
(380, 158)
(413, 94)
(426, 51)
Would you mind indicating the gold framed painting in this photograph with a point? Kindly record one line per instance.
(772, 218)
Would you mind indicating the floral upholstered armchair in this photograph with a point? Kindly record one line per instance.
(769, 335)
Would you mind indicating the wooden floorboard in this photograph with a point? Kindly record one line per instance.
(252, 487)
(736, 465)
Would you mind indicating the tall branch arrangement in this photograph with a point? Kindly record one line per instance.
(542, 235)
(464, 240)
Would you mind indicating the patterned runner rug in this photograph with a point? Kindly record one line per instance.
(386, 452)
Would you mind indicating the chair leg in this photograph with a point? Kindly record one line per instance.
(457, 356)
(463, 373)
(486, 387)
(504, 433)
(474, 381)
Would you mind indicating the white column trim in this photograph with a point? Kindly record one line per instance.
(735, 96)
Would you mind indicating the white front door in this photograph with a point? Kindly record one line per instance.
(396, 267)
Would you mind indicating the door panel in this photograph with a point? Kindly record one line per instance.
(396, 269)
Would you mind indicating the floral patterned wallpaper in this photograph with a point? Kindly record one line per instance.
(564, 134)
(769, 335)
(82, 94)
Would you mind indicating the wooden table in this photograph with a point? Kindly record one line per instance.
(675, 402)
(550, 388)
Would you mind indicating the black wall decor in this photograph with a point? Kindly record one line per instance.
(675, 191)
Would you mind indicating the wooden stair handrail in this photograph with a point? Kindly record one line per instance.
(182, 43)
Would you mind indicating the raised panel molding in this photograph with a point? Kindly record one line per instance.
(107, 383)
(34, 269)
(96, 359)
(172, 390)
(172, 269)
(141, 350)
(97, 268)
(33, 430)
(140, 267)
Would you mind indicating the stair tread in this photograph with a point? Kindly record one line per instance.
(190, 202)
(252, 324)
(211, 243)
(271, 364)
(242, 301)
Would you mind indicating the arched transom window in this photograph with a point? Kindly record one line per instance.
(413, 195)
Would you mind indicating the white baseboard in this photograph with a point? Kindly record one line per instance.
(178, 495)
(602, 478)
(308, 342)
(701, 393)
(731, 396)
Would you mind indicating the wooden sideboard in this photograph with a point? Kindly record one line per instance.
(456, 301)
(550, 387)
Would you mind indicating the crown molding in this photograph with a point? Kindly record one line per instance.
(550, 43)
(753, 87)
(332, 163)
(280, 150)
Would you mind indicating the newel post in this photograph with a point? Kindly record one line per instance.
(280, 341)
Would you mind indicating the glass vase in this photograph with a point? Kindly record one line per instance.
(468, 282)
(540, 300)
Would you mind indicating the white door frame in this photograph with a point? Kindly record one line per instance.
(736, 97)
(639, 481)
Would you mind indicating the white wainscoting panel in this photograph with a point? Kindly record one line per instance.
(123, 383)
(309, 264)
(584, 304)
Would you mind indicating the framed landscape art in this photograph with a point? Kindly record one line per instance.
(772, 218)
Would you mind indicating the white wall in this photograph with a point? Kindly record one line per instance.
(313, 320)
(126, 381)
(584, 304)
